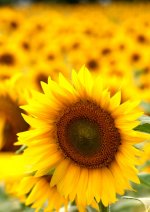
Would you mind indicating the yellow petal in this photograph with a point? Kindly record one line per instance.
(60, 172)
(108, 187)
(115, 101)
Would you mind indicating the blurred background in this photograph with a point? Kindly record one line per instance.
(43, 38)
(66, 1)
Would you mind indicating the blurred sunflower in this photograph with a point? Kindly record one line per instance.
(23, 42)
(39, 194)
(85, 135)
(11, 61)
(142, 83)
(137, 57)
(125, 85)
(121, 43)
(93, 62)
(10, 20)
(41, 71)
(35, 74)
(11, 121)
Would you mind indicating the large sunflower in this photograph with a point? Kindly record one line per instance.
(85, 135)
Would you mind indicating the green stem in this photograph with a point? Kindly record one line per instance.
(102, 208)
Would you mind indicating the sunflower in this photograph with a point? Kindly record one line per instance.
(85, 135)
(39, 194)
(11, 62)
(47, 198)
(11, 121)
(10, 20)
(126, 85)
(40, 72)
(143, 84)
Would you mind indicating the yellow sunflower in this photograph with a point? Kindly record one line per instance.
(11, 122)
(125, 85)
(10, 20)
(39, 194)
(12, 167)
(85, 135)
(11, 62)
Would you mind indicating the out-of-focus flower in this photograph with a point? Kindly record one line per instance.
(11, 122)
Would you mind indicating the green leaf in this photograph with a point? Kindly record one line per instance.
(3, 195)
(102, 208)
(51, 172)
(143, 128)
(145, 124)
(145, 179)
(91, 209)
(144, 200)
(138, 73)
(127, 205)
(11, 204)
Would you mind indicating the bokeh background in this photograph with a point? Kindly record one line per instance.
(43, 38)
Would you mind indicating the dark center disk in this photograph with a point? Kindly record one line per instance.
(84, 136)
(87, 135)
(7, 59)
(92, 64)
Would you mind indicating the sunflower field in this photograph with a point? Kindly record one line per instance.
(75, 107)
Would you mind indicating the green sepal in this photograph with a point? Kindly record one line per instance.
(145, 124)
(21, 149)
(144, 179)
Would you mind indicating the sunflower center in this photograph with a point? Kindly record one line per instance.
(84, 136)
(92, 64)
(7, 59)
(87, 135)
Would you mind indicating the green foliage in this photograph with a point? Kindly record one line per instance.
(145, 179)
(127, 205)
(143, 128)
(145, 124)
(102, 208)
(11, 204)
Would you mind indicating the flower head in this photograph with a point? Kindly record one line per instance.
(85, 135)
(11, 121)
(40, 194)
